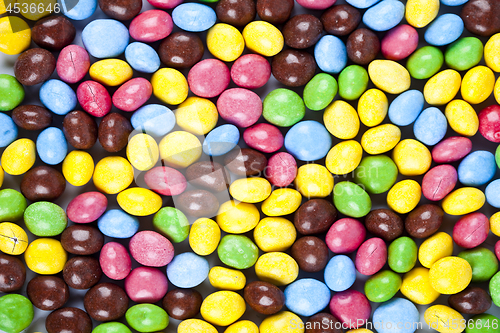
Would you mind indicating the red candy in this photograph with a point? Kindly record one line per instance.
(94, 98)
(73, 63)
(489, 123)
(439, 181)
(149, 248)
(146, 285)
(451, 149)
(251, 71)
(132, 94)
(208, 78)
(471, 230)
(371, 256)
(264, 137)
(165, 181)
(240, 107)
(115, 261)
(87, 207)
(151, 26)
(345, 236)
(399, 42)
(351, 307)
(281, 169)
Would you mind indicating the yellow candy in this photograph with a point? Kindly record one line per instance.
(111, 72)
(437, 246)
(462, 117)
(263, 38)
(2, 8)
(13, 239)
(450, 275)
(195, 326)
(14, 42)
(274, 234)
(420, 13)
(225, 42)
(380, 139)
(113, 174)
(244, 326)
(251, 190)
(497, 91)
(226, 279)
(43, 8)
(1, 176)
(478, 84)
(346, 129)
(372, 107)
(169, 86)
(180, 149)
(495, 223)
(360, 330)
(282, 201)
(444, 319)
(139, 201)
(223, 308)
(417, 287)
(18, 157)
(237, 217)
(142, 152)
(78, 168)
(463, 201)
(197, 115)
(204, 236)
(412, 157)
(277, 268)
(404, 196)
(314, 180)
(344, 157)
(442, 87)
(45, 256)
(282, 322)
(389, 76)
(492, 53)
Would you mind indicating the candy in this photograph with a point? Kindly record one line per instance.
(208, 175)
(105, 38)
(464, 54)
(405, 108)
(118, 224)
(274, 13)
(120, 10)
(51, 146)
(320, 91)
(153, 119)
(78, 168)
(239, 217)
(111, 327)
(382, 286)
(307, 297)
(436, 316)
(16, 35)
(345, 236)
(180, 50)
(172, 223)
(45, 256)
(242, 326)
(82, 239)
(481, 323)
(198, 203)
(384, 223)
(151, 26)
(372, 107)
(111, 72)
(451, 149)
(462, 117)
(79, 11)
(389, 76)
(417, 287)
(491, 193)
(53, 33)
(400, 42)
(245, 162)
(225, 42)
(297, 37)
(376, 173)
(45, 219)
(170, 86)
(226, 279)
(180, 149)
(402, 255)
(14, 240)
(425, 62)
(194, 17)
(491, 54)
(340, 273)
(477, 169)
(430, 127)
(384, 16)
(264, 298)
(80, 130)
(472, 300)
(263, 38)
(493, 288)
(450, 275)
(471, 230)
(371, 256)
(105, 302)
(480, 17)
(293, 68)
(315, 216)
(34, 66)
(142, 152)
(16, 313)
(477, 76)
(446, 29)
(132, 94)
(349, 127)
(71, 319)
(494, 225)
(412, 157)
(115, 261)
(149, 248)
(113, 174)
(362, 46)
(351, 199)
(237, 251)
(394, 312)
(221, 140)
(353, 81)
(285, 322)
(264, 137)
(31, 117)
(351, 308)
(488, 127)
(419, 13)
(139, 201)
(142, 57)
(281, 202)
(310, 253)
(330, 54)
(208, 78)
(483, 262)
(82, 272)
(277, 268)
(47, 292)
(463, 201)
(57, 96)
(113, 132)
(341, 20)
(442, 87)
(223, 308)
(147, 318)
(438, 246)
(250, 71)
(237, 13)
(274, 234)
(303, 138)
(439, 182)
(195, 326)
(251, 190)
(344, 157)
(241, 107)
(8, 130)
(314, 180)
(182, 304)
(380, 139)
(145, 285)
(204, 236)
(18, 157)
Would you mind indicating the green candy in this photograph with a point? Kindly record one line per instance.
(497, 156)
(147, 318)
(283, 107)
(353, 81)
(11, 92)
(425, 62)
(464, 54)
(16, 313)
(45, 219)
(484, 263)
(172, 223)
(402, 255)
(382, 286)
(495, 288)
(238, 251)
(376, 173)
(12, 205)
(112, 327)
(320, 91)
(351, 200)
(483, 323)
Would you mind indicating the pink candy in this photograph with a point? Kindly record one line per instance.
(264, 137)
(399, 42)
(146, 285)
(151, 26)
(165, 181)
(371, 256)
(115, 261)
(73, 63)
(240, 107)
(208, 78)
(345, 236)
(489, 123)
(132, 94)
(281, 169)
(165, 4)
(471, 230)
(149, 248)
(87, 207)
(439, 181)
(497, 249)
(316, 4)
(451, 149)
(94, 98)
(251, 71)
(350, 306)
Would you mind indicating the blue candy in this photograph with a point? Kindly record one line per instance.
(57, 96)
(444, 30)
(453, 2)
(362, 4)
(105, 38)
(194, 17)
(308, 141)
(142, 57)
(397, 315)
(431, 126)
(221, 140)
(51, 146)
(78, 10)
(153, 119)
(307, 297)
(477, 168)
(405, 108)
(330, 54)
(116, 223)
(384, 15)
(493, 193)
(8, 130)
(340, 273)
(187, 270)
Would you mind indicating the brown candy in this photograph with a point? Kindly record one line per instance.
(424, 221)
(80, 129)
(82, 272)
(82, 239)
(48, 292)
(341, 20)
(302, 31)
(208, 175)
(32, 117)
(385, 224)
(315, 216)
(12, 273)
(293, 68)
(34, 66)
(245, 162)
(182, 304)
(311, 253)
(236, 12)
(121, 9)
(181, 50)
(264, 297)
(473, 300)
(113, 132)
(482, 17)
(198, 203)
(43, 183)
(68, 320)
(274, 11)
(362, 46)
(105, 302)
(53, 33)
(323, 323)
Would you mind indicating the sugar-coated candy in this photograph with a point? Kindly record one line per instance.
(180, 149)
(384, 223)
(165, 4)
(417, 288)
(299, 38)
(351, 307)
(419, 13)
(80, 130)
(142, 57)
(478, 76)
(341, 20)
(94, 98)
(237, 13)
(132, 94)
(57, 96)
(372, 107)
(31, 117)
(111, 72)
(113, 174)
(437, 315)
(197, 115)
(277, 268)
(371, 256)
(53, 33)
(362, 46)
(105, 301)
(389, 76)
(340, 273)
(18, 157)
(404, 196)
(69, 317)
(238, 217)
(245, 162)
(472, 300)
(51, 146)
(481, 322)
(82, 272)
(195, 326)
(237, 251)
(307, 297)
(208, 78)
(182, 304)
(345, 236)
(120, 10)
(412, 157)
(16, 313)
(463, 201)
(320, 91)
(13, 273)
(274, 234)
(315, 216)
(151, 26)
(483, 262)
(430, 126)
(344, 157)
(442, 87)
(263, 38)
(293, 68)
(8, 130)
(194, 17)
(446, 29)
(240, 107)
(283, 107)
(45, 256)
(488, 126)
(115, 261)
(250, 190)
(462, 117)
(223, 308)
(331, 54)
(243, 326)
(353, 81)
(477, 168)
(250, 71)
(147, 318)
(78, 168)
(146, 285)
(225, 42)
(113, 132)
(302, 141)
(153, 119)
(105, 38)
(281, 169)
(45, 219)
(34, 66)
(16, 35)
(439, 245)
(47, 292)
(492, 193)
(208, 175)
(392, 313)
(311, 254)
(15, 240)
(376, 173)
(264, 297)
(78, 11)
(399, 42)
(351, 199)
(425, 62)
(172, 223)
(491, 53)
(314, 180)
(116, 223)
(264, 137)
(349, 127)
(181, 50)
(439, 182)
(382, 286)
(139, 201)
(226, 279)
(406, 108)
(150, 248)
(480, 17)
(402, 254)
(471, 230)
(380, 139)
(285, 322)
(385, 15)
(362, 4)
(450, 275)
(221, 140)
(142, 151)
(451, 149)
(82, 239)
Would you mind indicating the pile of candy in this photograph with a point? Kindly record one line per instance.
(186, 171)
